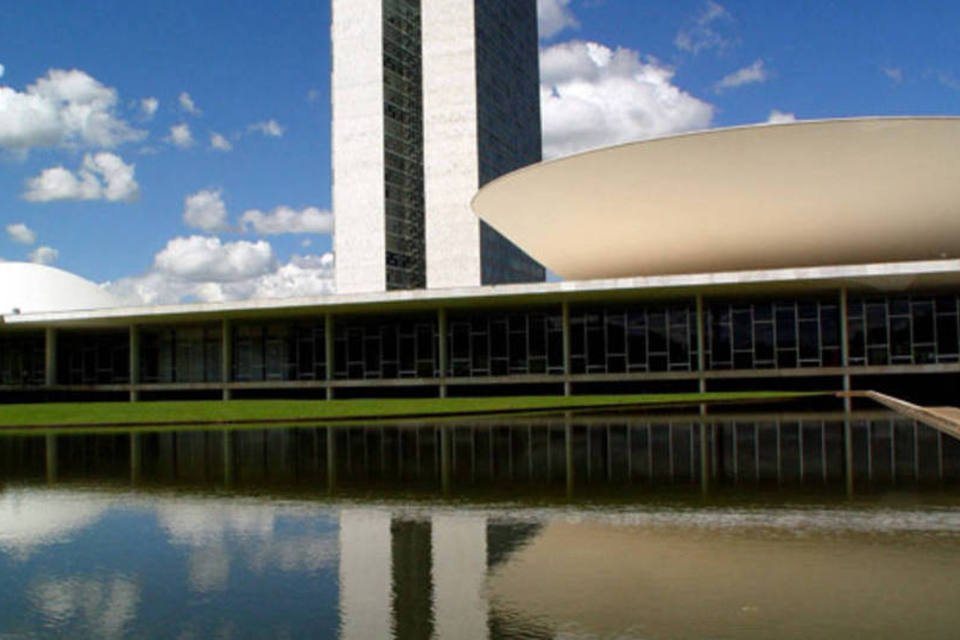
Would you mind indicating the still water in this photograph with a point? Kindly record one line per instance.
(753, 526)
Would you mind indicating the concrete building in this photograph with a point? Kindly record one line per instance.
(431, 100)
(825, 306)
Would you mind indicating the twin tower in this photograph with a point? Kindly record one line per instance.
(431, 100)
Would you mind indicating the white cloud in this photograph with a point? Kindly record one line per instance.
(705, 31)
(2, 70)
(187, 104)
(894, 73)
(44, 255)
(270, 128)
(555, 16)
(102, 176)
(286, 220)
(205, 210)
(63, 108)
(751, 74)
(301, 276)
(180, 136)
(780, 117)
(219, 143)
(200, 259)
(592, 96)
(21, 233)
(148, 107)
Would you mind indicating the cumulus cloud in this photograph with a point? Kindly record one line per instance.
(301, 276)
(187, 104)
(754, 73)
(592, 96)
(101, 176)
(148, 107)
(287, 220)
(21, 233)
(2, 70)
(555, 16)
(219, 143)
(269, 128)
(63, 108)
(44, 255)
(199, 259)
(780, 117)
(180, 136)
(706, 30)
(205, 210)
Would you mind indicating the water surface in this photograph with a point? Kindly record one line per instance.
(611, 526)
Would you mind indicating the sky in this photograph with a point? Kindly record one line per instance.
(181, 151)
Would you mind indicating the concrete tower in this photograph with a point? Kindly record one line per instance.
(431, 100)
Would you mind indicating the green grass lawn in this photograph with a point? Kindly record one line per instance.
(77, 414)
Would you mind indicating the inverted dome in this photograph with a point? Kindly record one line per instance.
(30, 288)
(816, 193)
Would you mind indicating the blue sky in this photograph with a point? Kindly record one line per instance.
(182, 150)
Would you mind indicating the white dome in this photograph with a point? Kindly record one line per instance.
(29, 288)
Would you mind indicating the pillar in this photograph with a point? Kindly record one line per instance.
(226, 357)
(328, 352)
(845, 350)
(565, 320)
(701, 356)
(443, 349)
(134, 363)
(50, 357)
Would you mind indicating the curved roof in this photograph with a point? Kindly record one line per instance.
(769, 196)
(28, 288)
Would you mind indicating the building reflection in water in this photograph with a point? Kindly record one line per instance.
(576, 455)
(438, 530)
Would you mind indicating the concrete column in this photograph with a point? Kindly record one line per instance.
(459, 545)
(328, 351)
(226, 357)
(134, 363)
(701, 356)
(443, 349)
(565, 314)
(50, 357)
(366, 573)
(845, 349)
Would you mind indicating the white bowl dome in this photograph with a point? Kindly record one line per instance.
(30, 288)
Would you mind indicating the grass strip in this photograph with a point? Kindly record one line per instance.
(214, 412)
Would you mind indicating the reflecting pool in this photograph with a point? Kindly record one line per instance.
(579, 526)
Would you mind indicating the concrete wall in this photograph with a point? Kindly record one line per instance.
(451, 164)
(357, 134)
